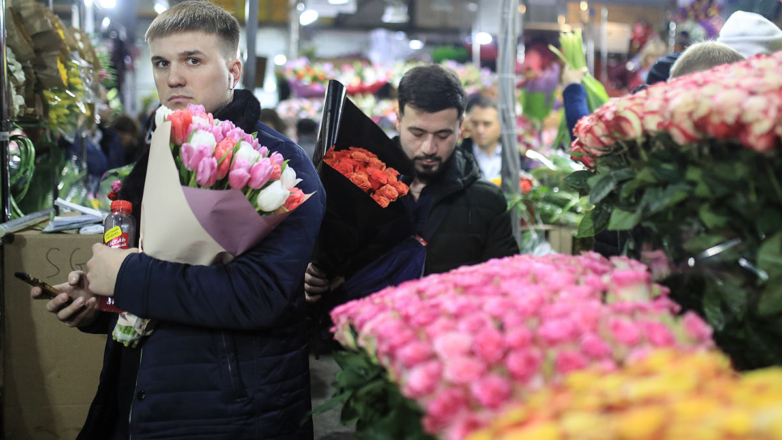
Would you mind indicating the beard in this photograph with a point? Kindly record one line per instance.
(429, 173)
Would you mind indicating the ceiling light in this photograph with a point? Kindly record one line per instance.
(416, 44)
(88, 3)
(338, 2)
(522, 9)
(584, 6)
(308, 17)
(280, 59)
(108, 4)
(160, 7)
(105, 23)
(483, 38)
(300, 7)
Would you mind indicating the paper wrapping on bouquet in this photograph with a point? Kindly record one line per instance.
(18, 39)
(189, 225)
(355, 230)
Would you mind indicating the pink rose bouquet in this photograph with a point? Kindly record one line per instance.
(465, 344)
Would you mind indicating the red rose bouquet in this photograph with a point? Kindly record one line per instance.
(369, 173)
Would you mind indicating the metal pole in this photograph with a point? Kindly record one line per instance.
(251, 20)
(604, 43)
(5, 123)
(509, 36)
(293, 42)
(89, 18)
(476, 47)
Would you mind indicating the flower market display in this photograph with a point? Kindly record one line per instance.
(667, 395)
(444, 355)
(695, 164)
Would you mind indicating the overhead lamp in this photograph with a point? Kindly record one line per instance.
(160, 6)
(88, 3)
(308, 17)
(396, 13)
(584, 6)
(338, 2)
(107, 4)
(105, 23)
(416, 44)
(300, 7)
(280, 59)
(483, 38)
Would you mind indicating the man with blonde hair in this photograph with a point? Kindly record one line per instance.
(704, 56)
(228, 358)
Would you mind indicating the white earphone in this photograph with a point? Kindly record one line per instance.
(232, 83)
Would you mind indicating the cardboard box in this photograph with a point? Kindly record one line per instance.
(50, 371)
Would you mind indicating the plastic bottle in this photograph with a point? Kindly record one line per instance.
(119, 232)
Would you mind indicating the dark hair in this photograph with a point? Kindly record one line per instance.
(271, 118)
(125, 124)
(306, 127)
(431, 89)
(481, 101)
(194, 16)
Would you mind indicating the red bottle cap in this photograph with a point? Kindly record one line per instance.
(121, 205)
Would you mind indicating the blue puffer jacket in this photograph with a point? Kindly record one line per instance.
(229, 358)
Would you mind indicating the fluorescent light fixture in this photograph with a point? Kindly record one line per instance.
(160, 7)
(395, 14)
(107, 4)
(338, 2)
(483, 38)
(105, 23)
(280, 59)
(308, 17)
(416, 44)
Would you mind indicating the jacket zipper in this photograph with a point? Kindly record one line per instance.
(133, 396)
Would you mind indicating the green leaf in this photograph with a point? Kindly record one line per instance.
(578, 179)
(712, 308)
(600, 216)
(770, 255)
(771, 299)
(586, 228)
(666, 172)
(622, 220)
(711, 219)
(602, 188)
(623, 174)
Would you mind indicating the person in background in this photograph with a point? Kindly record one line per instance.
(306, 135)
(750, 34)
(228, 358)
(463, 219)
(485, 130)
(128, 131)
(704, 56)
(271, 118)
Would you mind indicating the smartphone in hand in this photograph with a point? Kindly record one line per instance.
(35, 282)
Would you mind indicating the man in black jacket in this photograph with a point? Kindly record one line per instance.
(463, 219)
(228, 358)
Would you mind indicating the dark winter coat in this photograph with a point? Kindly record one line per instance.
(228, 358)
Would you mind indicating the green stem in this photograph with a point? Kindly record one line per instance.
(774, 181)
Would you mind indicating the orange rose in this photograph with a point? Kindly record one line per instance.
(343, 168)
(392, 172)
(359, 156)
(382, 201)
(376, 164)
(366, 152)
(401, 188)
(377, 178)
(361, 181)
(388, 192)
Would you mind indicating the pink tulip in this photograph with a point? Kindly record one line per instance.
(276, 172)
(260, 173)
(277, 158)
(196, 109)
(238, 178)
(206, 175)
(240, 164)
(237, 134)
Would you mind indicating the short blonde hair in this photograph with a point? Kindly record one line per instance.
(197, 16)
(704, 56)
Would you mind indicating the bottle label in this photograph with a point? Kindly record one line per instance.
(115, 238)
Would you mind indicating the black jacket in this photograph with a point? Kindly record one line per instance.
(469, 221)
(229, 357)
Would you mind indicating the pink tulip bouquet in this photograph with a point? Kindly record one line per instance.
(460, 347)
(696, 164)
(211, 193)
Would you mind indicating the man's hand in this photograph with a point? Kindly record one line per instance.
(573, 76)
(315, 283)
(103, 268)
(84, 308)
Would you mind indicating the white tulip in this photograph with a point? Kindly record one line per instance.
(247, 152)
(201, 137)
(272, 197)
(288, 178)
(161, 114)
